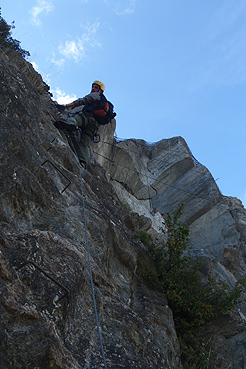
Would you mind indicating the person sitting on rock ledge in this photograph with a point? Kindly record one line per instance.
(83, 125)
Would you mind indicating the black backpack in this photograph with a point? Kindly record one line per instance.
(106, 112)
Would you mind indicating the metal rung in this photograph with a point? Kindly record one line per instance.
(47, 275)
(52, 143)
(58, 170)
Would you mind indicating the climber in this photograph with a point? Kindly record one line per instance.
(83, 125)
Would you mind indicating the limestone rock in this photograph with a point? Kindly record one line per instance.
(166, 174)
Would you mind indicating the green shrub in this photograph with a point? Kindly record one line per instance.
(177, 274)
(144, 237)
(6, 40)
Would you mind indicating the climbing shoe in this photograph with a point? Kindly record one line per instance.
(60, 124)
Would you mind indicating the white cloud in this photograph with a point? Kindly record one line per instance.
(42, 7)
(125, 7)
(89, 34)
(61, 97)
(47, 79)
(72, 50)
(57, 62)
(76, 49)
(122, 7)
(35, 66)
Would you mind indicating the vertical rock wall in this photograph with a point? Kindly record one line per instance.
(47, 311)
(160, 177)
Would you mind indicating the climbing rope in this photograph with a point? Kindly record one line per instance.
(88, 256)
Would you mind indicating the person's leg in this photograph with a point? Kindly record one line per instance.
(88, 127)
(76, 120)
(71, 123)
(81, 149)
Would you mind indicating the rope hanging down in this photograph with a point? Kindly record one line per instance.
(89, 262)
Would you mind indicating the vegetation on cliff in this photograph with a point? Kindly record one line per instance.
(194, 298)
(7, 41)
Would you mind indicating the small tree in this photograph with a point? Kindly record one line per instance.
(6, 40)
(193, 301)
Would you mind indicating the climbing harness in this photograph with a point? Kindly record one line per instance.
(71, 115)
(96, 138)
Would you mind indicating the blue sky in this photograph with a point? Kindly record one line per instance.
(171, 68)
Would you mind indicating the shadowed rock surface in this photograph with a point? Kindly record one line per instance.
(128, 187)
(42, 222)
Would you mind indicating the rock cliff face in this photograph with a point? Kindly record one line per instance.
(67, 233)
(47, 311)
(163, 175)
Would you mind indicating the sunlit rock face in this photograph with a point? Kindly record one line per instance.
(58, 219)
(160, 177)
